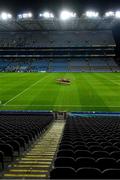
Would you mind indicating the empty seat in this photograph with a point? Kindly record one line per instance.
(92, 144)
(80, 147)
(100, 154)
(65, 153)
(115, 155)
(1, 160)
(111, 174)
(95, 148)
(62, 173)
(21, 141)
(111, 149)
(15, 145)
(117, 144)
(88, 173)
(66, 147)
(78, 143)
(82, 153)
(104, 144)
(8, 151)
(66, 143)
(106, 163)
(64, 162)
(113, 141)
(85, 162)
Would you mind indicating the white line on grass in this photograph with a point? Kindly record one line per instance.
(70, 105)
(114, 81)
(25, 90)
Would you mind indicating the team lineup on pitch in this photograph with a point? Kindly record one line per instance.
(40, 91)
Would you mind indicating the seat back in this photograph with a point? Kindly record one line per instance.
(62, 173)
(88, 173)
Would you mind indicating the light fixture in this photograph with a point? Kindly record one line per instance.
(65, 15)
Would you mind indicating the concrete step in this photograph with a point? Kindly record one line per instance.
(36, 164)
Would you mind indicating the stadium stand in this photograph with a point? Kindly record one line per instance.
(28, 143)
(56, 39)
(82, 147)
(72, 65)
(89, 149)
(36, 145)
(73, 51)
(18, 133)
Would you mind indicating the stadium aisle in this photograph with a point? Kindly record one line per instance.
(37, 163)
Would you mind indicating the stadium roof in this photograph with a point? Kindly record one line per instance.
(67, 20)
(56, 24)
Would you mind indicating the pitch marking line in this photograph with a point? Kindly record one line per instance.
(55, 105)
(114, 82)
(25, 90)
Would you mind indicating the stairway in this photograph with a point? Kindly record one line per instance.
(36, 164)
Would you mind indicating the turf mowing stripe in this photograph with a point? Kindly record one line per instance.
(96, 99)
(87, 92)
(65, 93)
(25, 90)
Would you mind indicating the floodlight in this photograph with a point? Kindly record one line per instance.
(25, 16)
(65, 15)
(9, 16)
(92, 14)
(5, 16)
(30, 15)
(52, 16)
(47, 15)
(117, 14)
(109, 14)
(20, 16)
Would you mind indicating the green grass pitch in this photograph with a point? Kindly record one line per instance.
(39, 91)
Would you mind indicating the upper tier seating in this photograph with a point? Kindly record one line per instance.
(57, 39)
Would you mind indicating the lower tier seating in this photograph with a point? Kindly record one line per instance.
(18, 133)
(37, 161)
(80, 148)
(59, 65)
(89, 149)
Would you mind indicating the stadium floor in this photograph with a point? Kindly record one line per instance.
(40, 91)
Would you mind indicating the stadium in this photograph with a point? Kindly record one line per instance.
(60, 96)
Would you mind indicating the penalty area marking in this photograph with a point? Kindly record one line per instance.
(25, 90)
